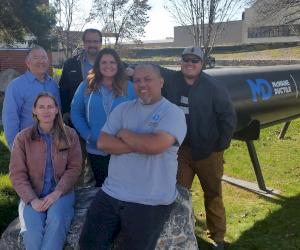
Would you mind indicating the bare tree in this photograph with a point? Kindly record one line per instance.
(122, 18)
(204, 19)
(68, 18)
(286, 11)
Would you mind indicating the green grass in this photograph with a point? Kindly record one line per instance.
(8, 198)
(254, 222)
(56, 73)
(156, 59)
(289, 53)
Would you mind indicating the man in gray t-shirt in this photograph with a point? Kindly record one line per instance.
(143, 137)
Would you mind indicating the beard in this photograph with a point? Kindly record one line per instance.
(92, 51)
(147, 100)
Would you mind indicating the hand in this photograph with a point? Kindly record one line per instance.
(50, 199)
(122, 134)
(37, 205)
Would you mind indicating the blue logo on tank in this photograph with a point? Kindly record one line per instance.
(261, 89)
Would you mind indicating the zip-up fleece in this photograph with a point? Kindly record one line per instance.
(28, 162)
(212, 116)
(70, 79)
(88, 115)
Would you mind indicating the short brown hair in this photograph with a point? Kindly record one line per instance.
(92, 31)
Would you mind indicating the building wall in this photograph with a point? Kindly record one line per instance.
(182, 37)
(231, 34)
(268, 28)
(15, 59)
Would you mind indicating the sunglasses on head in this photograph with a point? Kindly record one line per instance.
(192, 60)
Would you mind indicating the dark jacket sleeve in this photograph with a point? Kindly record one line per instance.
(63, 88)
(167, 75)
(69, 81)
(226, 116)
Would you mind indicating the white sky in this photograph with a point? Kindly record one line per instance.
(160, 26)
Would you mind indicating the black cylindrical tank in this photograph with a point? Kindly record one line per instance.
(262, 96)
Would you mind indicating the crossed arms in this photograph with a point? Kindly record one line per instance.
(127, 141)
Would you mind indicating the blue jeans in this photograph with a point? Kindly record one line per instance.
(47, 230)
(139, 226)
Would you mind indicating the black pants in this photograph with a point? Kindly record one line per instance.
(139, 225)
(99, 165)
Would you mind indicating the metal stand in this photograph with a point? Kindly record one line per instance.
(256, 166)
(283, 130)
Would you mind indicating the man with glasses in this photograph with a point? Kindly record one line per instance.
(75, 70)
(210, 124)
(22, 91)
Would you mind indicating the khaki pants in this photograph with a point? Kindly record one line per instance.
(209, 171)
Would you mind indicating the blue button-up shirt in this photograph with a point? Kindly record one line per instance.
(49, 181)
(86, 66)
(18, 102)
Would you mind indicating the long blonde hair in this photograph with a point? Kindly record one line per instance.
(94, 77)
(61, 139)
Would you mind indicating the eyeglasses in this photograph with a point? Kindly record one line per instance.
(39, 58)
(187, 60)
(92, 41)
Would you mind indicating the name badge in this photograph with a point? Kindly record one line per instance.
(186, 110)
(184, 100)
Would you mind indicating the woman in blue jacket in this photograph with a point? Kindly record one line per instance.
(105, 88)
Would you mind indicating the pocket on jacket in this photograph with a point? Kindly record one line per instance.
(62, 159)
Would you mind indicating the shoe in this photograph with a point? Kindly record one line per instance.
(219, 245)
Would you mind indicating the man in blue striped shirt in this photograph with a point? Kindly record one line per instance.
(22, 91)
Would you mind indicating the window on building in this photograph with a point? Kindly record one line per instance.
(274, 31)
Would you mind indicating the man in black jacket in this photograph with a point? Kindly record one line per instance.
(75, 70)
(211, 121)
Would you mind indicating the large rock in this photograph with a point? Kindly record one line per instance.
(178, 232)
(6, 76)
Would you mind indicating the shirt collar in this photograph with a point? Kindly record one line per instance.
(105, 89)
(85, 59)
(84, 56)
(32, 77)
(42, 133)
